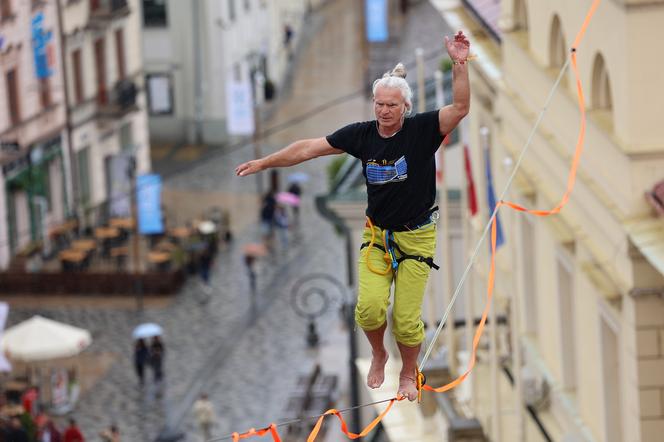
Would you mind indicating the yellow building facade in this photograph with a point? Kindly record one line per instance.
(584, 289)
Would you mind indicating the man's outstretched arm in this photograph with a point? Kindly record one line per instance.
(450, 115)
(295, 153)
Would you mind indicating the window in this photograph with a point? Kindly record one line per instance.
(557, 47)
(119, 52)
(44, 92)
(83, 165)
(567, 322)
(100, 64)
(601, 91)
(231, 10)
(154, 13)
(529, 273)
(12, 93)
(611, 375)
(78, 75)
(520, 16)
(160, 94)
(5, 9)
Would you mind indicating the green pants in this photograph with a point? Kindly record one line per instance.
(409, 284)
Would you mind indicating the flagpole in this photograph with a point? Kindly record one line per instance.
(467, 235)
(493, 325)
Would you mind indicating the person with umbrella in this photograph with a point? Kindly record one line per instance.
(397, 155)
(141, 355)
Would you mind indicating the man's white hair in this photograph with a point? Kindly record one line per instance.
(396, 79)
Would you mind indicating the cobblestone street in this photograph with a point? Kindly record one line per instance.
(246, 358)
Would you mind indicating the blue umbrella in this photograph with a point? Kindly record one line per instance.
(147, 330)
(298, 177)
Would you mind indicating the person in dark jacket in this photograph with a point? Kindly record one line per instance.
(141, 355)
(157, 358)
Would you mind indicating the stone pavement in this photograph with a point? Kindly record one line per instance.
(247, 360)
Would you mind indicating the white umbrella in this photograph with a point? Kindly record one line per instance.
(147, 330)
(207, 227)
(39, 339)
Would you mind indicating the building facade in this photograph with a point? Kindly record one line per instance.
(583, 289)
(34, 154)
(192, 50)
(107, 104)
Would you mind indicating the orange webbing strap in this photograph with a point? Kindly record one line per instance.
(565, 198)
(272, 429)
(344, 427)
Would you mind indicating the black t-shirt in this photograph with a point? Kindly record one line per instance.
(400, 171)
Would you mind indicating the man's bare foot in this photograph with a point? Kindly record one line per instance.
(408, 387)
(376, 374)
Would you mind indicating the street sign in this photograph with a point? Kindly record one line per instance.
(376, 20)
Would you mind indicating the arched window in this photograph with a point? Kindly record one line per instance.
(520, 15)
(601, 89)
(557, 46)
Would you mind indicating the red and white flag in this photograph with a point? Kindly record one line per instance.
(470, 184)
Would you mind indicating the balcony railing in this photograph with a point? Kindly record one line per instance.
(118, 101)
(103, 11)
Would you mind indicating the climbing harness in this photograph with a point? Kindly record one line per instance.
(391, 248)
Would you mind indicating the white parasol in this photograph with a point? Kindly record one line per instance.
(40, 339)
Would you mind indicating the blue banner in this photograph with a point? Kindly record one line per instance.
(376, 20)
(148, 202)
(40, 40)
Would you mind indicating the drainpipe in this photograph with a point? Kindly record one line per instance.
(71, 168)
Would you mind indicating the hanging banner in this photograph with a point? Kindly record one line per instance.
(119, 185)
(376, 20)
(148, 203)
(5, 366)
(239, 103)
(40, 47)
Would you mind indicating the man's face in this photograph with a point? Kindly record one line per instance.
(389, 106)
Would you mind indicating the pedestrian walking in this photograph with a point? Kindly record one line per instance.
(141, 356)
(268, 208)
(205, 416)
(47, 431)
(295, 189)
(111, 434)
(250, 261)
(204, 264)
(281, 223)
(157, 358)
(73, 433)
(397, 155)
(16, 432)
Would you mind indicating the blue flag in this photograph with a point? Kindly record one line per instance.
(491, 196)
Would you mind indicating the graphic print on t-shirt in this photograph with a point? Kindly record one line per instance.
(388, 172)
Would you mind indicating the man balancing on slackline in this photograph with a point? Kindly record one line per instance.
(399, 240)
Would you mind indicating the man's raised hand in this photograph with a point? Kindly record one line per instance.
(458, 48)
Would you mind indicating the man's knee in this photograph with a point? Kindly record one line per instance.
(370, 316)
(410, 333)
